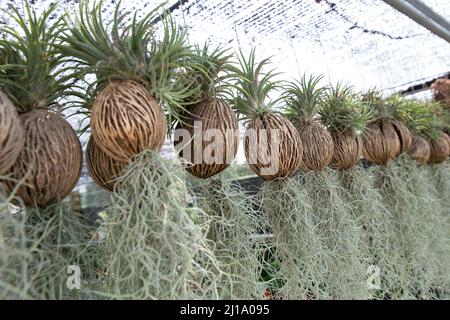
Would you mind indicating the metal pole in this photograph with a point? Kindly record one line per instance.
(419, 16)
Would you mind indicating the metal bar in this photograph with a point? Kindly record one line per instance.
(421, 18)
(430, 13)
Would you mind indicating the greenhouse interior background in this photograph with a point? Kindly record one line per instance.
(364, 44)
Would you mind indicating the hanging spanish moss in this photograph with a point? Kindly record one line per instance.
(235, 232)
(440, 174)
(435, 222)
(340, 235)
(316, 243)
(47, 254)
(297, 268)
(419, 237)
(378, 252)
(155, 238)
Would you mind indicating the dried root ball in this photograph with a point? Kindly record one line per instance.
(317, 146)
(126, 120)
(419, 150)
(439, 149)
(50, 162)
(12, 134)
(404, 135)
(273, 147)
(217, 142)
(102, 168)
(347, 150)
(383, 143)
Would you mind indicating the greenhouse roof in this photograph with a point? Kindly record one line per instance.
(363, 42)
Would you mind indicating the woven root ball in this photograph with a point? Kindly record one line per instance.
(12, 134)
(318, 146)
(347, 150)
(419, 150)
(382, 144)
(126, 119)
(218, 138)
(439, 149)
(447, 138)
(404, 136)
(50, 162)
(102, 168)
(272, 146)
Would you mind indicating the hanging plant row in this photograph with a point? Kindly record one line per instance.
(328, 214)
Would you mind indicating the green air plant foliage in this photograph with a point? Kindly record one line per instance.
(316, 242)
(129, 48)
(236, 233)
(155, 238)
(341, 111)
(33, 72)
(39, 246)
(420, 268)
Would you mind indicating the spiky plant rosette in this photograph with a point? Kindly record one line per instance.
(388, 135)
(155, 238)
(208, 124)
(134, 64)
(272, 145)
(236, 232)
(48, 254)
(418, 117)
(302, 101)
(37, 85)
(346, 120)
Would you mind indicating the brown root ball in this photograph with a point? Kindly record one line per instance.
(12, 134)
(447, 138)
(439, 149)
(51, 161)
(126, 119)
(382, 144)
(210, 139)
(317, 146)
(272, 146)
(347, 150)
(419, 150)
(404, 135)
(102, 168)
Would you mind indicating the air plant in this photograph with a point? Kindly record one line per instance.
(211, 124)
(134, 71)
(346, 120)
(302, 102)
(156, 243)
(272, 144)
(35, 82)
(389, 136)
(419, 121)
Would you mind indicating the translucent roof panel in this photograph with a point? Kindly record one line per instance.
(364, 42)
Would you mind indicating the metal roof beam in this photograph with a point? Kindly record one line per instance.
(423, 15)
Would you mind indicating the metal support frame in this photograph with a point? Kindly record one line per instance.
(423, 15)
